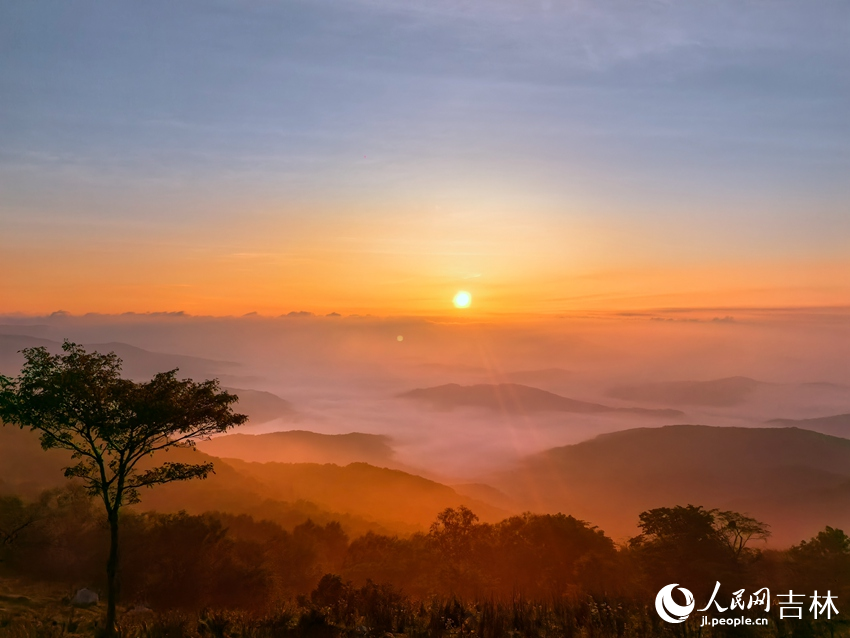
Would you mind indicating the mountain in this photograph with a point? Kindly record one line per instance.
(11, 359)
(487, 494)
(717, 393)
(551, 377)
(138, 364)
(360, 496)
(392, 498)
(838, 425)
(796, 480)
(299, 446)
(262, 407)
(514, 398)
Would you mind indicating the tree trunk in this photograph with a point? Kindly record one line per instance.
(111, 576)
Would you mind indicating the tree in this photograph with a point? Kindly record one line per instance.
(830, 543)
(78, 401)
(15, 518)
(737, 530)
(822, 562)
(683, 544)
(461, 542)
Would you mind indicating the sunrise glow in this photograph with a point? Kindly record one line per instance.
(462, 299)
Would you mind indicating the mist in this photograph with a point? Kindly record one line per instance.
(343, 374)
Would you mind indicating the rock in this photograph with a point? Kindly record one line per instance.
(85, 598)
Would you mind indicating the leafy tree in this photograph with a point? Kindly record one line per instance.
(78, 401)
(538, 554)
(683, 544)
(454, 531)
(691, 525)
(461, 542)
(830, 543)
(822, 562)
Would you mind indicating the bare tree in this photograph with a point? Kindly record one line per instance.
(737, 530)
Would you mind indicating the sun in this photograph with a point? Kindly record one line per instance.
(462, 299)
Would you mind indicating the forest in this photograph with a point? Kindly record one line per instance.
(221, 574)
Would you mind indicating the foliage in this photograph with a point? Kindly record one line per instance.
(737, 530)
(79, 402)
(548, 575)
(694, 545)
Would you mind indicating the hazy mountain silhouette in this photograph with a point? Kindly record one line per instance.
(299, 446)
(388, 497)
(796, 480)
(546, 376)
(11, 359)
(262, 407)
(718, 392)
(359, 495)
(487, 494)
(141, 365)
(514, 398)
(837, 425)
(137, 363)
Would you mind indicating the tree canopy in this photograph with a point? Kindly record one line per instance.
(78, 401)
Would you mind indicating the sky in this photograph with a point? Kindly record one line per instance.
(377, 156)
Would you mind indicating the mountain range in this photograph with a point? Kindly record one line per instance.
(796, 480)
(514, 398)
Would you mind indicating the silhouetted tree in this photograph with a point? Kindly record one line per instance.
(683, 544)
(822, 562)
(541, 554)
(462, 544)
(15, 517)
(738, 530)
(77, 401)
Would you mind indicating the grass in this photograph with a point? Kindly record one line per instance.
(29, 611)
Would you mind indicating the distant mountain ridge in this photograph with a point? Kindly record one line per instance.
(137, 363)
(836, 425)
(262, 407)
(724, 392)
(300, 446)
(141, 365)
(514, 398)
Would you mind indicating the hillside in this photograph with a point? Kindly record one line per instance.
(796, 480)
(389, 497)
(299, 446)
(262, 407)
(514, 398)
(359, 495)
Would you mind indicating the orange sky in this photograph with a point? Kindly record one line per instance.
(397, 268)
(377, 157)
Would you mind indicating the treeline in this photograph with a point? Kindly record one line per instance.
(217, 560)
